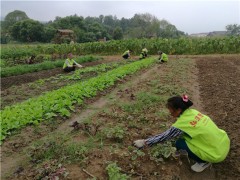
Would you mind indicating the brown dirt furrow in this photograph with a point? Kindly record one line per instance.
(219, 80)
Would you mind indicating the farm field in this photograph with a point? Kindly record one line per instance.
(95, 141)
(7, 82)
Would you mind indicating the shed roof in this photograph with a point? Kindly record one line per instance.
(65, 30)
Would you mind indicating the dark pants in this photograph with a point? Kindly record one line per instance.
(69, 69)
(181, 144)
(143, 55)
(126, 56)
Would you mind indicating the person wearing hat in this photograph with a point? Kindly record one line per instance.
(70, 64)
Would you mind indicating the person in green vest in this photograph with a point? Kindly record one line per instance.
(143, 53)
(127, 54)
(200, 137)
(70, 65)
(162, 57)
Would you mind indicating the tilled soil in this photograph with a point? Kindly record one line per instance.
(219, 79)
(219, 85)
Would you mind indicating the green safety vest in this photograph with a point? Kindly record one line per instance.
(202, 136)
(144, 50)
(70, 63)
(164, 57)
(126, 52)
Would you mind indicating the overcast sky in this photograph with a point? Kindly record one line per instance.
(189, 16)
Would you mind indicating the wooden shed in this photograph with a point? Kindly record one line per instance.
(64, 36)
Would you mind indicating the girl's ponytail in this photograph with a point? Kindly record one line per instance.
(179, 102)
(186, 101)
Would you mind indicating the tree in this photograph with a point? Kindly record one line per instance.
(109, 21)
(14, 17)
(168, 30)
(153, 28)
(125, 24)
(27, 31)
(68, 22)
(233, 29)
(117, 33)
(101, 17)
(49, 33)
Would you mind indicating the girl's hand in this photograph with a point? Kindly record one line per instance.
(139, 143)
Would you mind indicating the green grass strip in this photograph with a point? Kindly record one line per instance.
(46, 65)
(61, 102)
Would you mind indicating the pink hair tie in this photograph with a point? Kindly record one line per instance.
(185, 98)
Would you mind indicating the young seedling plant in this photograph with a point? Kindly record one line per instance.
(161, 151)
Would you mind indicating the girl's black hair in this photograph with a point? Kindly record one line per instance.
(178, 102)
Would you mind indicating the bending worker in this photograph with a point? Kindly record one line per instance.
(197, 134)
(70, 64)
(127, 54)
(143, 53)
(162, 57)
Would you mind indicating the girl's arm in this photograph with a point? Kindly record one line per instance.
(79, 65)
(169, 134)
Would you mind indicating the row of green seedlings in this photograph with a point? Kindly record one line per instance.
(57, 81)
(31, 59)
(78, 74)
(46, 65)
(4, 63)
(61, 102)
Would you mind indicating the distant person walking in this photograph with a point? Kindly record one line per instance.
(127, 54)
(70, 64)
(162, 57)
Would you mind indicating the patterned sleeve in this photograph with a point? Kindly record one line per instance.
(169, 134)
